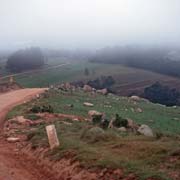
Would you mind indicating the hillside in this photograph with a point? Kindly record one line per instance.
(101, 152)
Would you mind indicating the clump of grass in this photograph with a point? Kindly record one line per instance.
(32, 117)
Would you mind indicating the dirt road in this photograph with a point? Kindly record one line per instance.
(13, 165)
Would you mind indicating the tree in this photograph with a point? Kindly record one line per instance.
(86, 72)
(25, 60)
(158, 93)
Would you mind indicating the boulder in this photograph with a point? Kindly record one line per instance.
(145, 130)
(135, 98)
(87, 88)
(13, 139)
(21, 120)
(102, 91)
(88, 104)
(122, 129)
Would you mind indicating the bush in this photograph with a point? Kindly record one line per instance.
(96, 119)
(36, 109)
(104, 123)
(120, 122)
(42, 109)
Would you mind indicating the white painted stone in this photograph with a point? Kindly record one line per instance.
(52, 136)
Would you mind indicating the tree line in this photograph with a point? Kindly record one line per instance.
(154, 59)
(25, 59)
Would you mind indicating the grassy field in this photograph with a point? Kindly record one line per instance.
(160, 118)
(111, 149)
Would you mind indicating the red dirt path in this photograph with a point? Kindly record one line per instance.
(13, 165)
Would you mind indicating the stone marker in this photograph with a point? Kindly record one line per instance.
(52, 136)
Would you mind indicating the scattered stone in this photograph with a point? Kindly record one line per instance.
(92, 113)
(139, 110)
(13, 139)
(111, 124)
(87, 88)
(66, 123)
(132, 125)
(67, 85)
(151, 120)
(21, 120)
(135, 98)
(176, 119)
(102, 91)
(52, 136)
(69, 106)
(75, 119)
(88, 104)
(119, 173)
(122, 129)
(135, 103)
(145, 130)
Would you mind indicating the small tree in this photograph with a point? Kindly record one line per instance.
(86, 72)
(120, 122)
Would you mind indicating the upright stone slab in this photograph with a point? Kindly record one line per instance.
(52, 136)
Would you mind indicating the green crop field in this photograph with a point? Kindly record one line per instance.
(75, 71)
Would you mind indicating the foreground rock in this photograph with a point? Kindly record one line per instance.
(122, 129)
(21, 120)
(145, 130)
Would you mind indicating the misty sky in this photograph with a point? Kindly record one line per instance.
(88, 23)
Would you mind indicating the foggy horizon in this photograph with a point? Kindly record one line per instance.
(89, 24)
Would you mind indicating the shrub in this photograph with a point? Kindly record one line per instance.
(42, 109)
(36, 109)
(120, 122)
(96, 119)
(104, 123)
